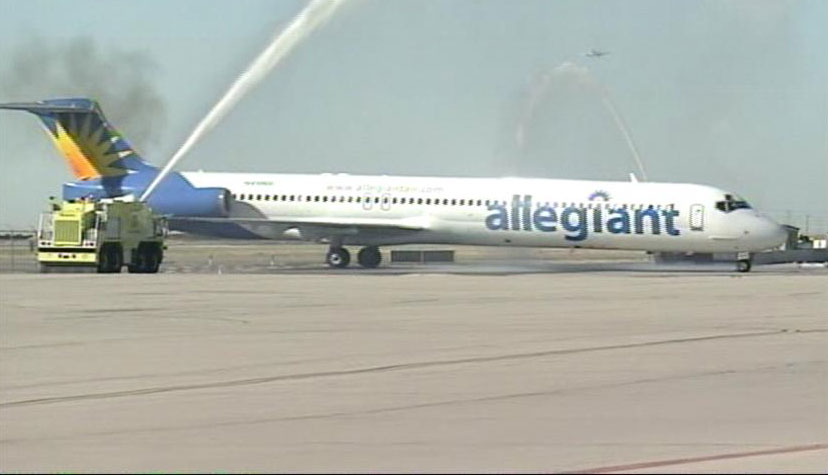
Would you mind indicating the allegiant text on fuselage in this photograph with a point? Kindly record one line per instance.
(575, 220)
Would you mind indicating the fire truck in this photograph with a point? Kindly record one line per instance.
(103, 235)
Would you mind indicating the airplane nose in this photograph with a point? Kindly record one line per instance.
(770, 233)
(780, 234)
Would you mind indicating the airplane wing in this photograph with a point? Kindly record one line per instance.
(275, 227)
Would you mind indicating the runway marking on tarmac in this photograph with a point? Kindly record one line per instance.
(708, 458)
(380, 410)
(391, 367)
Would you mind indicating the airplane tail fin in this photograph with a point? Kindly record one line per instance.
(92, 147)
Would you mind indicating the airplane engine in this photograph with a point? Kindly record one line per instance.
(174, 196)
(195, 202)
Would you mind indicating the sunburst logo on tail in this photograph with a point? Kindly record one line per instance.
(92, 148)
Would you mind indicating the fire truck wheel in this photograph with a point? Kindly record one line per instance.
(147, 258)
(111, 259)
(152, 259)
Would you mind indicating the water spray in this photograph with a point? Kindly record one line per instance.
(622, 126)
(583, 75)
(316, 13)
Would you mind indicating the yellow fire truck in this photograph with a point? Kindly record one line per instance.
(104, 235)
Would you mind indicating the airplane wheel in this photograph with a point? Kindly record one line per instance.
(338, 257)
(743, 265)
(369, 257)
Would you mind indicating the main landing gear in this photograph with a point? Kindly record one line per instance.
(339, 257)
(369, 257)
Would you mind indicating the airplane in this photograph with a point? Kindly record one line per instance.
(594, 53)
(372, 211)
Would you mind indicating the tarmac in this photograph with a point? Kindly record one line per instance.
(564, 364)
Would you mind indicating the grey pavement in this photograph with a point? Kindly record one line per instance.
(620, 370)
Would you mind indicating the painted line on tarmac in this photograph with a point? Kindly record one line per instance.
(708, 458)
(390, 367)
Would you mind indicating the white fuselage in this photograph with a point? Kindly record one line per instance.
(494, 211)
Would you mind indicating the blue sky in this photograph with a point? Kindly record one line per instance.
(730, 93)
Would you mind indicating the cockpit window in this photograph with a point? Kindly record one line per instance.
(731, 203)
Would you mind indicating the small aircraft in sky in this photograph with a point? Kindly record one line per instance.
(594, 53)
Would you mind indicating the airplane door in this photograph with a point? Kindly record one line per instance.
(697, 217)
(367, 202)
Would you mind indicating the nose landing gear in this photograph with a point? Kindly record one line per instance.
(743, 265)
